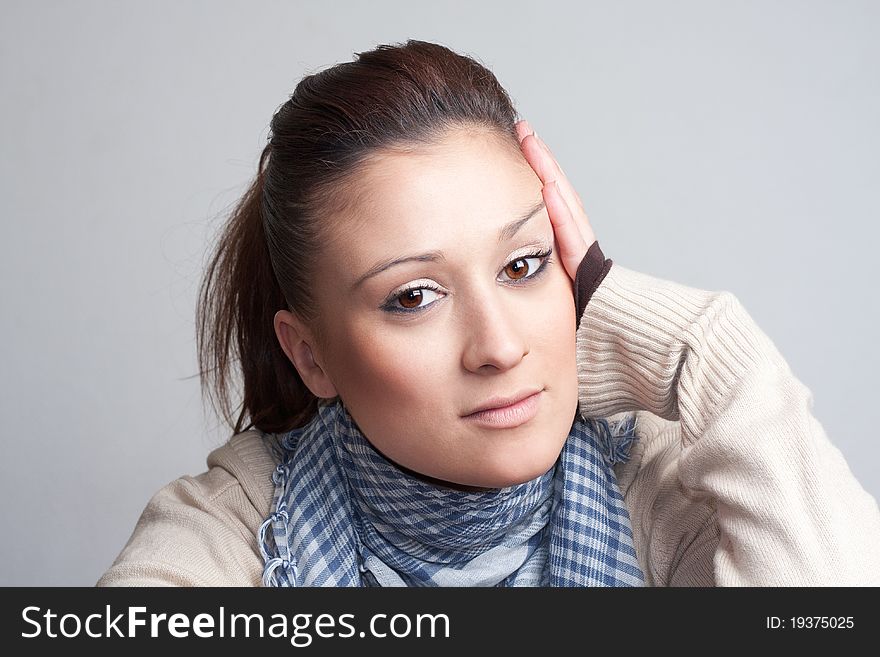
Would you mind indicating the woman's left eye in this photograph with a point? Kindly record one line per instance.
(525, 266)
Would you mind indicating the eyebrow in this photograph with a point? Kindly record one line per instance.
(507, 232)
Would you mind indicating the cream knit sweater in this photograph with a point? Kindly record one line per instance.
(732, 481)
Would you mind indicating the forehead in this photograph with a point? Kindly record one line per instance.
(470, 182)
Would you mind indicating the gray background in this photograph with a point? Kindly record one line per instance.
(721, 145)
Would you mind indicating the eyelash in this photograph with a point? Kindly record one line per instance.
(389, 306)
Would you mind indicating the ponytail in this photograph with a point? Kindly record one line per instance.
(238, 299)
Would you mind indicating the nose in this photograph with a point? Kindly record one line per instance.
(496, 334)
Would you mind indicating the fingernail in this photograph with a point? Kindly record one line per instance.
(541, 142)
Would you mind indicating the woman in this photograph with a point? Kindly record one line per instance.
(445, 382)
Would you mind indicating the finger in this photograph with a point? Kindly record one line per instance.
(572, 246)
(523, 129)
(542, 161)
(537, 159)
(568, 189)
(548, 169)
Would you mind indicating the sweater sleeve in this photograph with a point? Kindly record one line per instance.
(787, 508)
(196, 531)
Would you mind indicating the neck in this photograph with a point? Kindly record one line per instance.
(441, 483)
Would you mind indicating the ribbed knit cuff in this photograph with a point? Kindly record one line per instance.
(593, 268)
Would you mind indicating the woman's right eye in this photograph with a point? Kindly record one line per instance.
(412, 299)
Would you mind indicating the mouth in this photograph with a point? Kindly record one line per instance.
(507, 413)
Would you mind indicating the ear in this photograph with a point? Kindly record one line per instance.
(297, 342)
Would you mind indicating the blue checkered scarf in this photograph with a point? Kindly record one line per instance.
(343, 515)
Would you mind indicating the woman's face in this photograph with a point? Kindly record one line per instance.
(436, 295)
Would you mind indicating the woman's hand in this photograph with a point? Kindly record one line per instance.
(572, 229)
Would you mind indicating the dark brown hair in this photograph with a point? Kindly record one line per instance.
(394, 97)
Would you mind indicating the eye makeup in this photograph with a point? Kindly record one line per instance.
(414, 293)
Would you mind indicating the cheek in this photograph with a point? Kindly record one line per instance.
(380, 371)
(557, 307)
(555, 334)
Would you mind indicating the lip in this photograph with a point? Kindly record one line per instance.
(507, 412)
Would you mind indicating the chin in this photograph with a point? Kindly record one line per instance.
(513, 474)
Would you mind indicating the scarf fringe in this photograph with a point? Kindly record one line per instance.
(615, 437)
